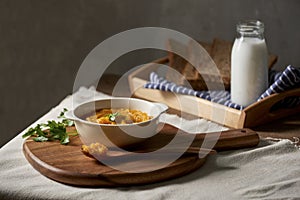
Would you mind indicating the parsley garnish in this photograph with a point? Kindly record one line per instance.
(65, 121)
(112, 117)
(52, 130)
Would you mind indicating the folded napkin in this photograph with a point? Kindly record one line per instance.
(279, 82)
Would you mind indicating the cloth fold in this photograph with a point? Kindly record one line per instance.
(279, 82)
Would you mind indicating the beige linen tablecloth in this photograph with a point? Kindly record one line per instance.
(269, 171)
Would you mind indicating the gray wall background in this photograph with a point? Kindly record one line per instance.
(43, 42)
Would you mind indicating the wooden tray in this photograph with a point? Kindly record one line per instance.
(256, 114)
(67, 164)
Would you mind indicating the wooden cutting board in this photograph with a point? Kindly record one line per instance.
(68, 165)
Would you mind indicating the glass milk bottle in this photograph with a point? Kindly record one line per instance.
(249, 63)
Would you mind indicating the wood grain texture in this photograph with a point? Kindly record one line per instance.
(67, 164)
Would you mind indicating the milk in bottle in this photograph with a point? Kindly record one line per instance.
(249, 63)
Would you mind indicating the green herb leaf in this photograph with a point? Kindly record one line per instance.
(68, 122)
(65, 139)
(52, 130)
(62, 113)
(112, 117)
(40, 139)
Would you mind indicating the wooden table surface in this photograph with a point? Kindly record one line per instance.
(287, 128)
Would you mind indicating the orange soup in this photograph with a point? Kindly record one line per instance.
(118, 116)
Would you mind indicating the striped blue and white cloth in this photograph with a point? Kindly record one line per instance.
(279, 82)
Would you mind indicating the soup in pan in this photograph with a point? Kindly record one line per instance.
(118, 116)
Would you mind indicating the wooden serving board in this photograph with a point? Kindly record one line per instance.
(68, 165)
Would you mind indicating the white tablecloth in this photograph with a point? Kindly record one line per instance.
(269, 171)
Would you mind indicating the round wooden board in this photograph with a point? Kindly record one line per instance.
(67, 164)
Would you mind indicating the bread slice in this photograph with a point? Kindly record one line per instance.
(213, 61)
(176, 62)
